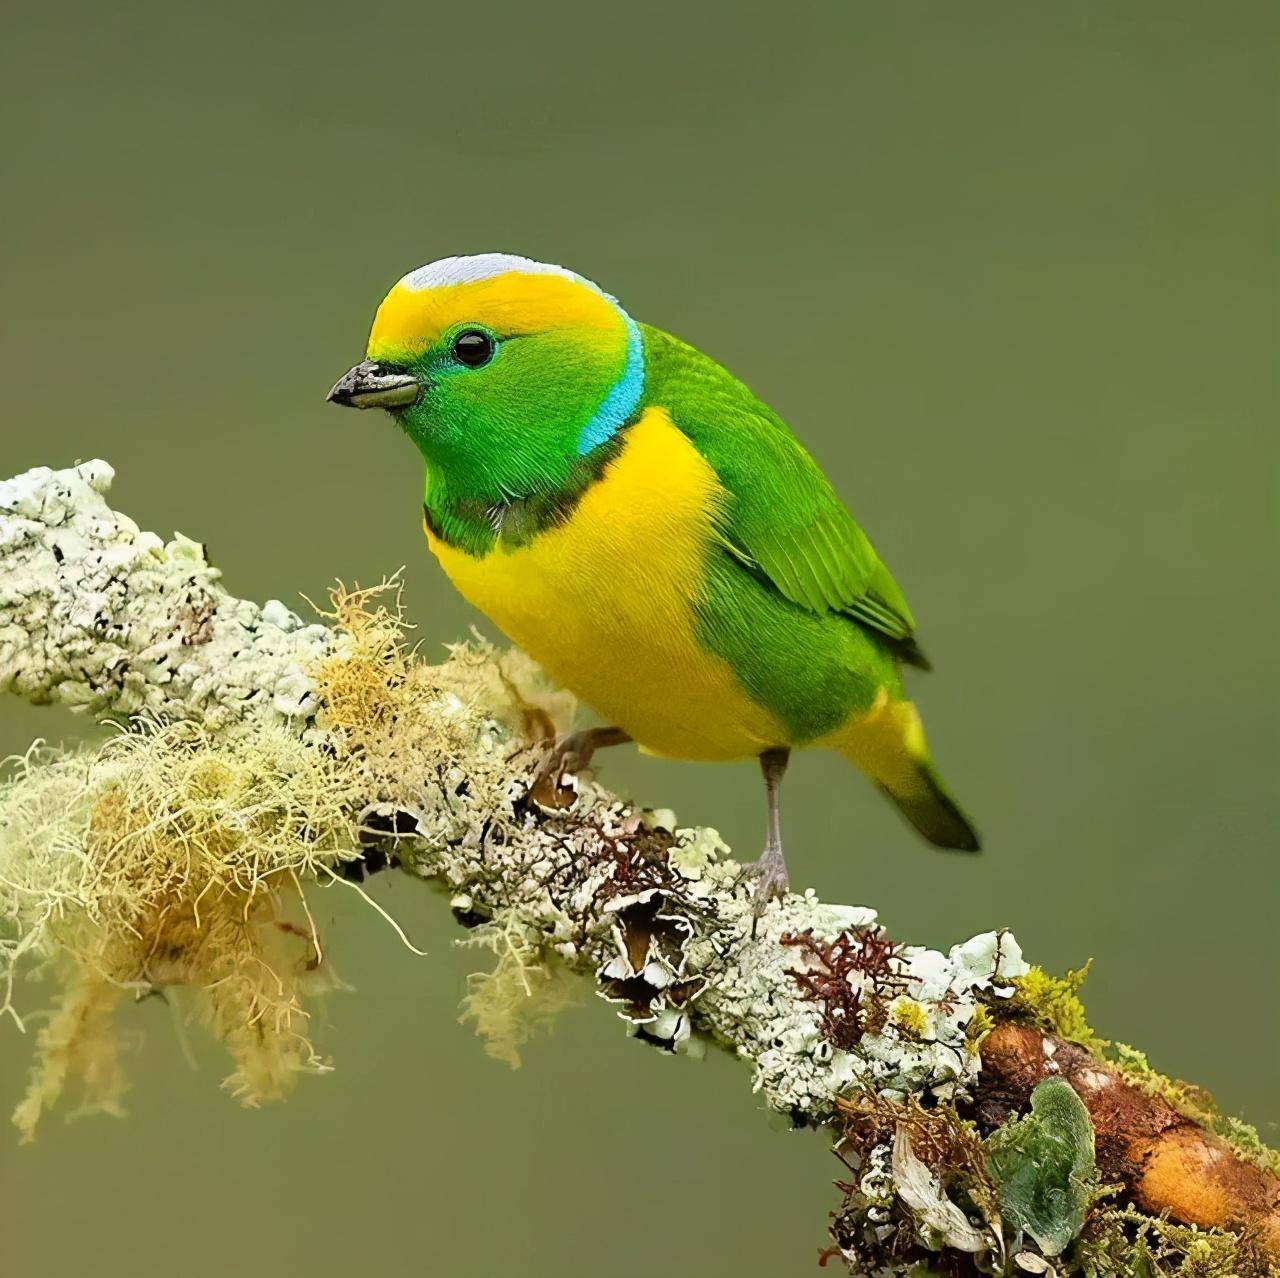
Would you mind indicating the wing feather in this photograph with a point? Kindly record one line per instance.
(783, 519)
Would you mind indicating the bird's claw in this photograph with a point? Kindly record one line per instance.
(549, 789)
(770, 882)
(570, 757)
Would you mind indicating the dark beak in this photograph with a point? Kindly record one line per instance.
(373, 385)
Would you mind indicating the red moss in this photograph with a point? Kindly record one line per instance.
(852, 978)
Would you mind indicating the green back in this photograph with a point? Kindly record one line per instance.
(784, 522)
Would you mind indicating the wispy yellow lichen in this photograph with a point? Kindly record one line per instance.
(523, 993)
(173, 857)
(170, 858)
(79, 1042)
(399, 721)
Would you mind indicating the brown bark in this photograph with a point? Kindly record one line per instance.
(1166, 1162)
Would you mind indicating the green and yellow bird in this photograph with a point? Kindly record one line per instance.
(634, 518)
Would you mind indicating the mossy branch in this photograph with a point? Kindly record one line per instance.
(985, 1126)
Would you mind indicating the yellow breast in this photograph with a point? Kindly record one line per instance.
(605, 602)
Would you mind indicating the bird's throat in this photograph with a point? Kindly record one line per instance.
(478, 524)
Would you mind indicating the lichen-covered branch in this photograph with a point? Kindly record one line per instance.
(264, 758)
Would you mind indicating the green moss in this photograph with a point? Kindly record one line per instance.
(1053, 1003)
(1124, 1241)
(981, 1023)
(909, 1016)
(1196, 1104)
(1244, 1139)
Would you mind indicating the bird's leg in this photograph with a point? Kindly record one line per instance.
(770, 871)
(570, 755)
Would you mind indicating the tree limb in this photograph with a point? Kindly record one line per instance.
(430, 767)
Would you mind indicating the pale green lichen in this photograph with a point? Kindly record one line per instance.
(695, 851)
(1043, 1165)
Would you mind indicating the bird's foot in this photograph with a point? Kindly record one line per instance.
(570, 756)
(769, 879)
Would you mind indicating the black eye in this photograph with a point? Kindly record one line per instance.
(473, 348)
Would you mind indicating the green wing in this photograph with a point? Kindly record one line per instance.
(784, 520)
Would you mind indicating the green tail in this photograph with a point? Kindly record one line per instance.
(928, 805)
(888, 745)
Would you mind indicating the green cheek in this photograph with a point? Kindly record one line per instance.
(510, 429)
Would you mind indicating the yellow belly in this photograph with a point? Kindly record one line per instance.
(605, 602)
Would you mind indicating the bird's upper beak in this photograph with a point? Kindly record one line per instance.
(374, 385)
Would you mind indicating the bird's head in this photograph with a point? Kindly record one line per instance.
(504, 371)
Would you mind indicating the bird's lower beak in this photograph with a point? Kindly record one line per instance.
(373, 385)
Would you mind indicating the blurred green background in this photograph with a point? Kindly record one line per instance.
(1009, 270)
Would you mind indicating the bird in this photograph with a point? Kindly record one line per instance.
(633, 517)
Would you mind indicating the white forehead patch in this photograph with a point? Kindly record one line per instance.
(480, 266)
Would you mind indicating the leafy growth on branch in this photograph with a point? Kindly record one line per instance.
(1043, 1164)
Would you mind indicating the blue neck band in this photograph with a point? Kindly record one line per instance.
(623, 397)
